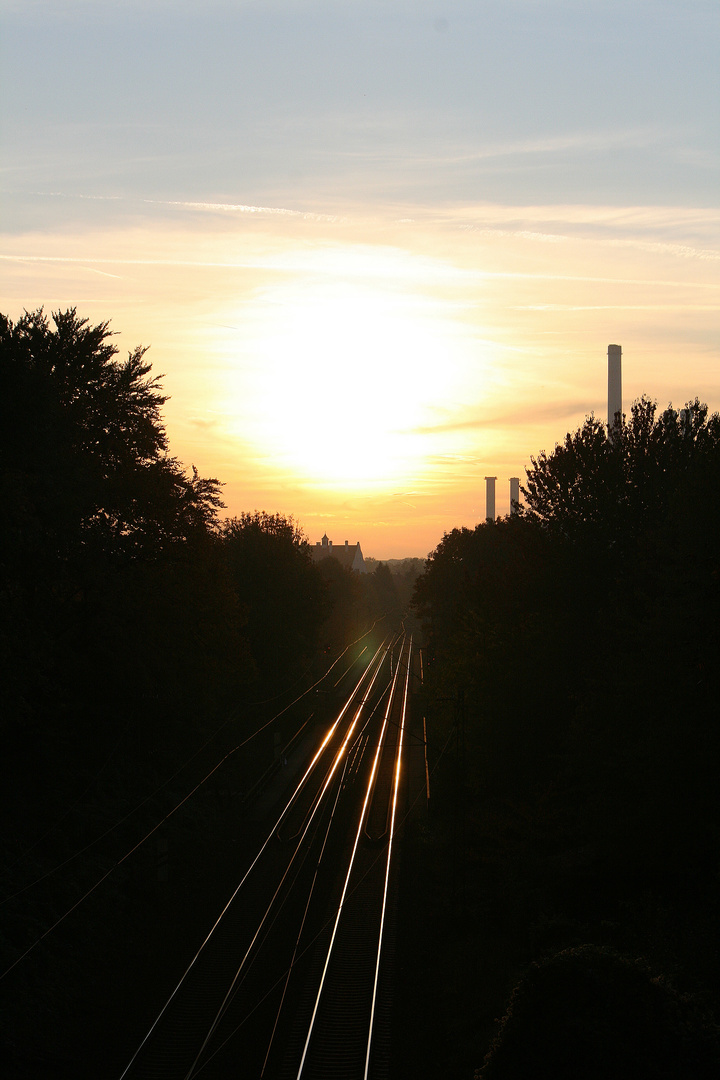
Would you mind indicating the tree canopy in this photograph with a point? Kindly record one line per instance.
(86, 465)
(282, 593)
(617, 488)
(612, 564)
(573, 662)
(105, 539)
(142, 643)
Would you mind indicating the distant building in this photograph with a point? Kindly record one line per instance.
(348, 555)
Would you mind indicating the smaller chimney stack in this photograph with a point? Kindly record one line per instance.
(614, 386)
(514, 494)
(490, 498)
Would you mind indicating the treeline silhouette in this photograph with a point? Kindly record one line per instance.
(572, 675)
(142, 638)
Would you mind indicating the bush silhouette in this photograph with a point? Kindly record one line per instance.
(589, 1012)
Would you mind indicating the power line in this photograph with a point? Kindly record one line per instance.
(167, 816)
(177, 772)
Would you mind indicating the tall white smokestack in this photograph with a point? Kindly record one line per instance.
(614, 386)
(490, 498)
(514, 494)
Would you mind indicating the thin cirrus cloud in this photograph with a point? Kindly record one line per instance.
(529, 411)
(468, 215)
(240, 208)
(611, 227)
(578, 141)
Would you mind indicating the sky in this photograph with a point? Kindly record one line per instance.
(377, 248)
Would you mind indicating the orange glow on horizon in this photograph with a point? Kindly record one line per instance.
(364, 375)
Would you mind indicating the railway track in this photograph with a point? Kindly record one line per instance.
(344, 1016)
(293, 978)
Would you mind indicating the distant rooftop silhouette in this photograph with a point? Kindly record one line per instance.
(348, 555)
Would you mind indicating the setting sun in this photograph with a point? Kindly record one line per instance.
(342, 378)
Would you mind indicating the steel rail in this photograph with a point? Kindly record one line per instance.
(398, 765)
(308, 772)
(326, 785)
(346, 884)
(380, 755)
(297, 952)
(298, 937)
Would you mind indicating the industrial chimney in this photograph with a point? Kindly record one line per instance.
(614, 386)
(490, 498)
(514, 494)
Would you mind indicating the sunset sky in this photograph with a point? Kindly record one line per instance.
(378, 248)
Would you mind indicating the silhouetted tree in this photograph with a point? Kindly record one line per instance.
(580, 636)
(590, 1012)
(614, 489)
(135, 634)
(610, 568)
(385, 592)
(87, 474)
(348, 615)
(405, 573)
(281, 591)
(115, 608)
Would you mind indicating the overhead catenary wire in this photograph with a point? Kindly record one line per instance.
(298, 937)
(58, 822)
(152, 831)
(169, 780)
(197, 1068)
(338, 914)
(386, 883)
(267, 841)
(324, 927)
(340, 755)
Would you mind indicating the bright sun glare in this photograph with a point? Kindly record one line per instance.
(341, 378)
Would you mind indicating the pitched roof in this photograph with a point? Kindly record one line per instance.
(348, 555)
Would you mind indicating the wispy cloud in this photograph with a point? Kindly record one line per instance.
(78, 261)
(205, 423)
(103, 273)
(242, 208)
(580, 213)
(540, 415)
(654, 230)
(204, 206)
(654, 247)
(598, 141)
(681, 251)
(614, 307)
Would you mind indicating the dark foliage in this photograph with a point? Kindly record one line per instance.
(359, 601)
(86, 471)
(574, 648)
(105, 541)
(348, 616)
(588, 1013)
(134, 632)
(282, 593)
(385, 592)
